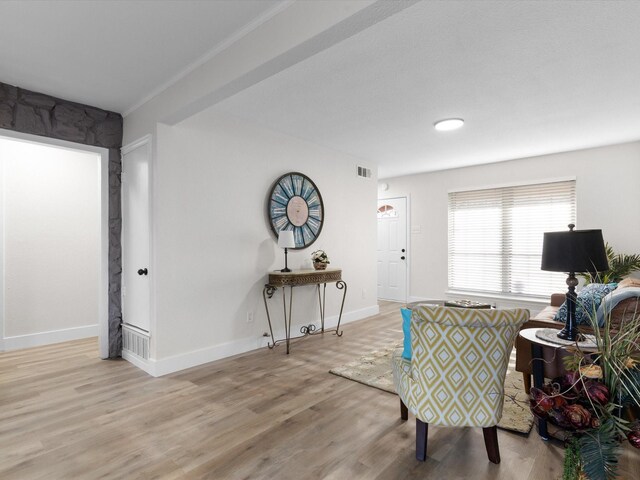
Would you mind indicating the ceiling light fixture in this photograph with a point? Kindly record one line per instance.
(448, 124)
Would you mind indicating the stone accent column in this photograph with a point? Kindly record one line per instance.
(38, 114)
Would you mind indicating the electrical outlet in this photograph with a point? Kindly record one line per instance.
(364, 293)
(249, 317)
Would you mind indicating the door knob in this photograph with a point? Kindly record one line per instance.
(143, 271)
(403, 250)
(402, 257)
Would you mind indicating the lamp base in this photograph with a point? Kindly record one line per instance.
(572, 335)
(285, 270)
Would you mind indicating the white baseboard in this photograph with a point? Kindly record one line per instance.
(47, 338)
(175, 363)
(141, 363)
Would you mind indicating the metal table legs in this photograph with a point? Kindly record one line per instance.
(538, 381)
(305, 330)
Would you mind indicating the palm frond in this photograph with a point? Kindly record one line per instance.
(620, 265)
(599, 451)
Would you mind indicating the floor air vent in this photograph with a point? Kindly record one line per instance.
(135, 341)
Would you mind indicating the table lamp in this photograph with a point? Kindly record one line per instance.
(286, 241)
(571, 252)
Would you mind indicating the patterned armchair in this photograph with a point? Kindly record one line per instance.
(456, 374)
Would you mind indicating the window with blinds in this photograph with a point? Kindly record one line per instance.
(495, 237)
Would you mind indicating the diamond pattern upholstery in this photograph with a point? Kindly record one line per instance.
(459, 360)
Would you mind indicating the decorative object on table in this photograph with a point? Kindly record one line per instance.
(620, 265)
(286, 241)
(592, 399)
(459, 359)
(571, 252)
(551, 335)
(466, 304)
(296, 204)
(320, 260)
(374, 370)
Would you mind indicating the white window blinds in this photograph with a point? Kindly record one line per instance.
(495, 237)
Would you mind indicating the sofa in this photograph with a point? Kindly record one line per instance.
(553, 363)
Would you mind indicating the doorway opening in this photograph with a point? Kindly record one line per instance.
(54, 242)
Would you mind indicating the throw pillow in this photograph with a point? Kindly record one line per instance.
(406, 329)
(587, 303)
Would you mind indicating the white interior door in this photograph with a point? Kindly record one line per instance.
(135, 235)
(392, 249)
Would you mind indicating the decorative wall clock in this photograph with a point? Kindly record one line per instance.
(296, 204)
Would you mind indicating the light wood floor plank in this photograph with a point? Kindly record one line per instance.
(66, 414)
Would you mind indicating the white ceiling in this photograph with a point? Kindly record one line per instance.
(115, 54)
(529, 77)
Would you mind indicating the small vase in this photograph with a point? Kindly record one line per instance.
(319, 266)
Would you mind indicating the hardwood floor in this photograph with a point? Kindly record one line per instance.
(66, 414)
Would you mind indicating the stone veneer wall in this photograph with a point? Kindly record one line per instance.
(38, 114)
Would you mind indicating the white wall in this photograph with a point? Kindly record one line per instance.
(213, 246)
(608, 197)
(52, 252)
(211, 175)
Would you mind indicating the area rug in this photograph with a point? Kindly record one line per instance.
(374, 370)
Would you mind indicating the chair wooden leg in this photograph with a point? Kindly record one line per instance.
(404, 411)
(421, 440)
(491, 443)
(526, 379)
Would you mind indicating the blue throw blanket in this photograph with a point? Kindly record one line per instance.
(614, 298)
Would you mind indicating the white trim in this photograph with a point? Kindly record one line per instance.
(408, 281)
(139, 330)
(47, 338)
(220, 47)
(2, 255)
(135, 144)
(175, 363)
(147, 366)
(103, 293)
(522, 183)
(103, 284)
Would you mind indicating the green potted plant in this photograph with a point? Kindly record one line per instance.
(620, 265)
(593, 398)
(320, 259)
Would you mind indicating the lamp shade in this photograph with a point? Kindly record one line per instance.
(285, 239)
(574, 251)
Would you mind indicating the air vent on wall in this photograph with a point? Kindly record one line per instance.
(364, 172)
(135, 341)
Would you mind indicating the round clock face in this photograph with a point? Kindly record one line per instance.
(295, 204)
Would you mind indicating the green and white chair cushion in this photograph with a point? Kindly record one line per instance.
(459, 361)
